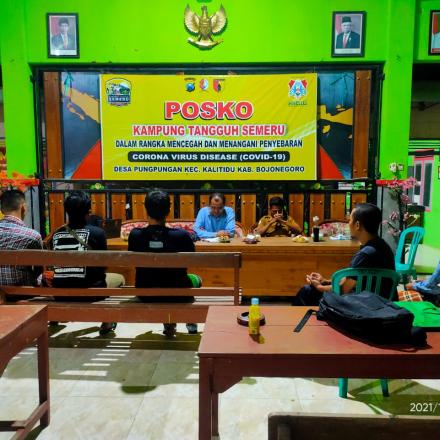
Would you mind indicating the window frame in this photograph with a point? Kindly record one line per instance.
(423, 162)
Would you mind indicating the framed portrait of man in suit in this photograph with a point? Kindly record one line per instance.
(348, 34)
(434, 33)
(62, 35)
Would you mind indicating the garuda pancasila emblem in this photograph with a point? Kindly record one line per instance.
(205, 26)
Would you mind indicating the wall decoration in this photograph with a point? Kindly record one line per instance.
(62, 35)
(434, 33)
(348, 34)
(205, 26)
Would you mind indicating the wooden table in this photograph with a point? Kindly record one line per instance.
(227, 354)
(20, 326)
(274, 266)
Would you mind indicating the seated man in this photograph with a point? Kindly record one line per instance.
(277, 223)
(15, 235)
(374, 253)
(157, 237)
(216, 219)
(429, 288)
(77, 235)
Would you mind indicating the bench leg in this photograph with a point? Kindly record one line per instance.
(43, 375)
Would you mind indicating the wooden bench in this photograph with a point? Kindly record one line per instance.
(20, 326)
(120, 306)
(290, 426)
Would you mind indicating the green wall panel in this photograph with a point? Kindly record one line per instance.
(258, 32)
(421, 40)
(140, 32)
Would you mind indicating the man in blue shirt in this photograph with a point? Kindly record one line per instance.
(216, 219)
(429, 288)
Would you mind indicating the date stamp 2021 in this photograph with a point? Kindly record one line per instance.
(424, 407)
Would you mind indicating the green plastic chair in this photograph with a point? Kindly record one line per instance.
(366, 279)
(402, 268)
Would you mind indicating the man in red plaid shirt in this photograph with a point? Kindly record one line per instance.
(15, 235)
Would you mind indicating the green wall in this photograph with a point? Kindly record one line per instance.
(141, 32)
(258, 31)
(17, 89)
(421, 41)
(421, 44)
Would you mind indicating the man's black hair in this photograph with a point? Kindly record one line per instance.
(369, 216)
(11, 200)
(63, 20)
(217, 196)
(276, 201)
(157, 203)
(77, 206)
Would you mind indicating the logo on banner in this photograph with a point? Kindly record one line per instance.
(204, 84)
(298, 91)
(298, 88)
(218, 85)
(190, 84)
(118, 91)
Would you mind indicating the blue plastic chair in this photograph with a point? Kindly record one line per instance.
(371, 280)
(402, 268)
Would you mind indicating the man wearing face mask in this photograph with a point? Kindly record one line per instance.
(15, 235)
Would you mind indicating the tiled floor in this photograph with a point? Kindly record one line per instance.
(139, 385)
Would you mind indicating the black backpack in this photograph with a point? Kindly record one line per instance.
(371, 317)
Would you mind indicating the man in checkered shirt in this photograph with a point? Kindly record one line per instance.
(15, 235)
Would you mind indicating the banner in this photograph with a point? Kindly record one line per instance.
(209, 127)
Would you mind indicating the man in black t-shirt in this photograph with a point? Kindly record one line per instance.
(374, 253)
(77, 235)
(156, 237)
(79, 238)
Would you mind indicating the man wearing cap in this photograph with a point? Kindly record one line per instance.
(347, 39)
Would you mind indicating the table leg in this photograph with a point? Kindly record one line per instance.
(205, 399)
(214, 413)
(43, 375)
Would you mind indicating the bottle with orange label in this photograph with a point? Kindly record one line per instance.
(254, 317)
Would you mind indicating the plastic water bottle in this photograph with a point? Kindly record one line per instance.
(254, 317)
